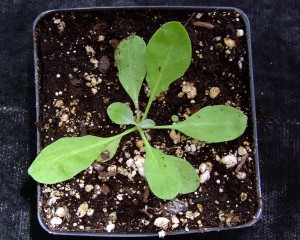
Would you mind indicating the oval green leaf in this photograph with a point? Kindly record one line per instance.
(168, 56)
(147, 123)
(120, 113)
(218, 123)
(68, 156)
(130, 57)
(189, 178)
(161, 173)
(175, 118)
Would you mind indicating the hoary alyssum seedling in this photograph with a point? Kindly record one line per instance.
(163, 60)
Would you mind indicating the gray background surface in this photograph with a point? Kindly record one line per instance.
(276, 53)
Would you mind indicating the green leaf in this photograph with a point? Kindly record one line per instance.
(68, 156)
(189, 178)
(175, 118)
(147, 123)
(120, 113)
(130, 57)
(214, 124)
(168, 56)
(161, 173)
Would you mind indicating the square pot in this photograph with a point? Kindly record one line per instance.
(71, 83)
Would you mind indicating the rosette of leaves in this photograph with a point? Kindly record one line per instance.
(162, 61)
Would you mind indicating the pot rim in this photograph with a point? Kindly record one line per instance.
(253, 108)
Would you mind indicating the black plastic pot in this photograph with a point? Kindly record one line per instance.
(251, 84)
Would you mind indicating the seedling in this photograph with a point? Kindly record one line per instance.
(165, 59)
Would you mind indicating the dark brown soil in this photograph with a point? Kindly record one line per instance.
(71, 106)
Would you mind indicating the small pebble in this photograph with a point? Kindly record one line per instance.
(175, 137)
(199, 222)
(56, 21)
(199, 15)
(239, 32)
(161, 234)
(145, 222)
(101, 38)
(130, 162)
(139, 163)
(89, 187)
(56, 221)
(204, 176)
(162, 222)
(64, 118)
(139, 144)
(240, 64)
(180, 95)
(90, 212)
(97, 189)
(214, 92)
(90, 50)
(243, 196)
(94, 82)
(190, 90)
(189, 215)
(242, 151)
(175, 222)
(127, 155)
(179, 152)
(60, 212)
(113, 217)
(112, 168)
(193, 148)
(202, 167)
(241, 175)
(58, 103)
(229, 42)
(82, 209)
(94, 91)
(229, 160)
(120, 197)
(217, 39)
(94, 61)
(110, 226)
(200, 207)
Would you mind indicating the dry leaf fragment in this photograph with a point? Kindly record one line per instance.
(206, 25)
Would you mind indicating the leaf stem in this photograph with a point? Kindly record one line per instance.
(138, 115)
(146, 142)
(163, 127)
(150, 101)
